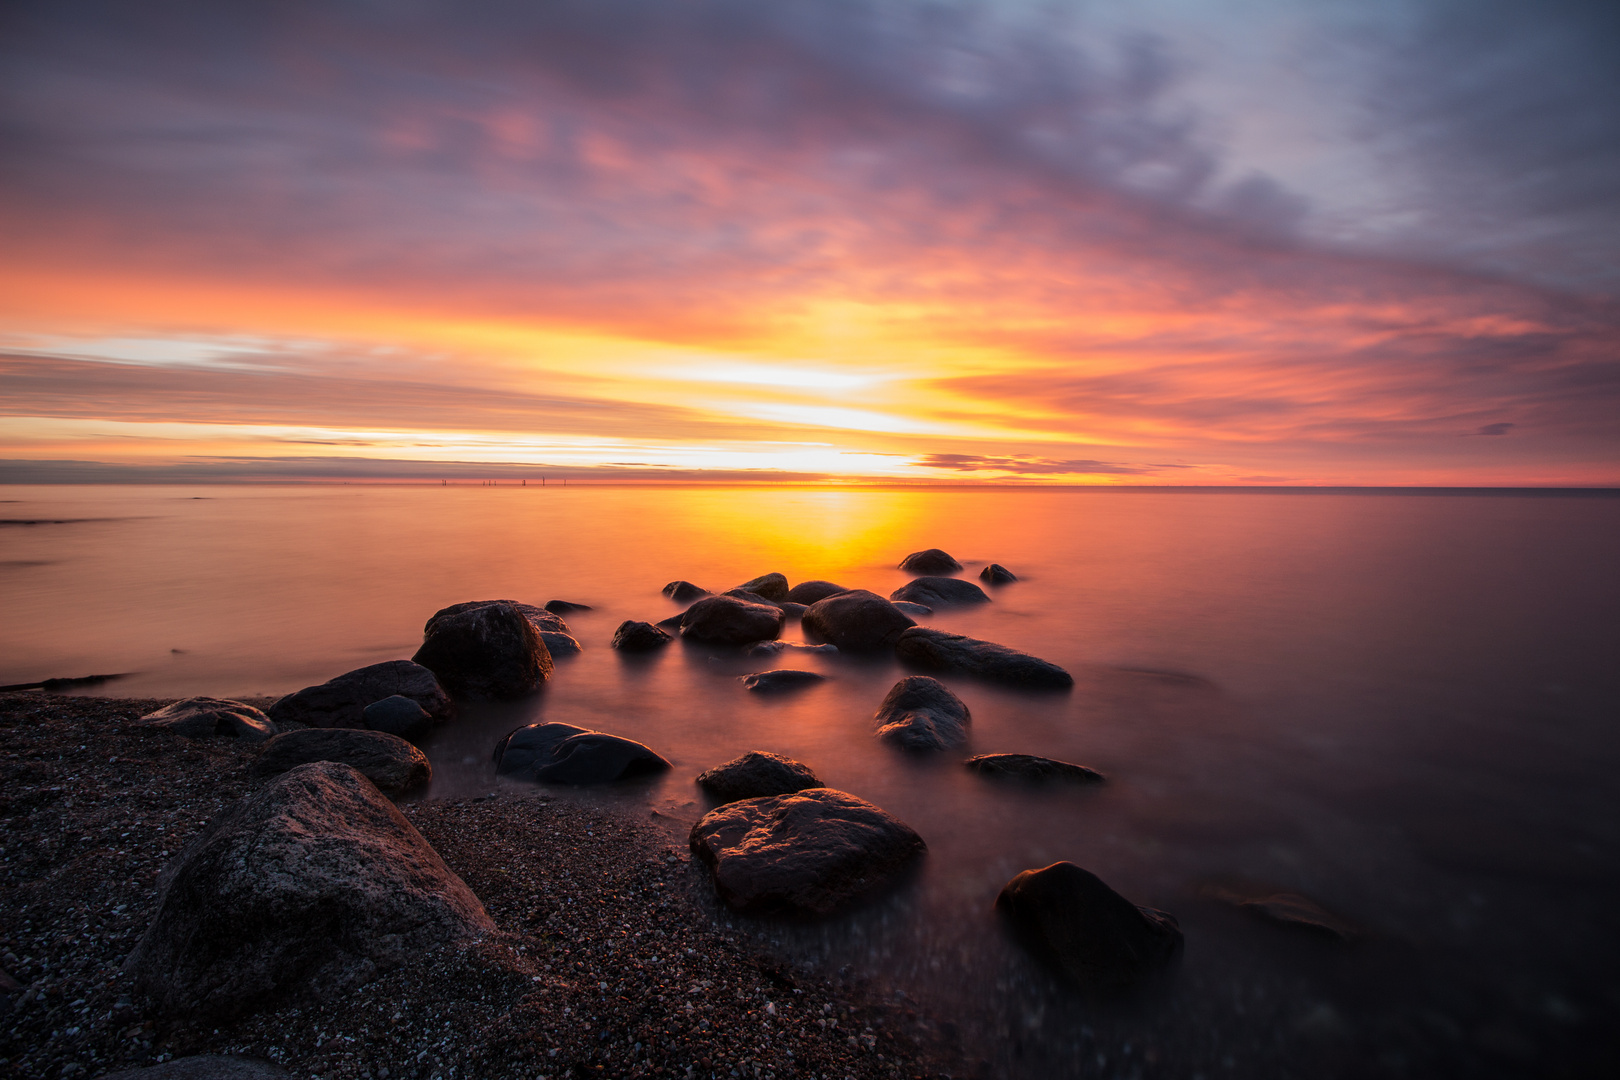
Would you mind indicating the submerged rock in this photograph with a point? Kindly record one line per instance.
(684, 591)
(486, 649)
(564, 754)
(996, 574)
(773, 587)
(726, 620)
(388, 761)
(856, 621)
(938, 592)
(755, 775)
(770, 682)
(308, 888)
(920, 713)
(205, 717)
(632, 636)
(911, 608)
(563, 607)
(771, 648)
(341, 702)
(1286, 909)
(1084, 930)
(1032, 768)
(397, 715)
(794, 611)
(937, 650)
(931, 561)
(752, 598)
(559, 645)
(808, 592)
(813, 852)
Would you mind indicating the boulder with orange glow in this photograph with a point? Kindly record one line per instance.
(937, 592)
(931, 561)
(856, 621)
(485, 649)
(938, 650)
(728, 620)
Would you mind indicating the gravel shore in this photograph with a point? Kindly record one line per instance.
(606, 964)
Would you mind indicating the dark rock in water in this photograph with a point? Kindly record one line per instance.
(308, 888)
(485, 650)
(938, 592)
(937, 650)
(632, 636)
(1029, 767)
(204, 1067)
(1077, 925)
(543, 619)
(1286, 909)
(771, 648)
(773, 587)
(726, 620)
(341, 702)
(856, 621)
(563, 607)
(672, 624)
(684, 591)
(932, 561)
(794, 611)
(996, 574)
(558, 644)
(769, 682)
(388, 761)
(808, 592)
(751, 598)
(757, 775)
(812, 852)
(205, 717)
(397, 715)
(912, 608)
(920, 713)
(564, 754)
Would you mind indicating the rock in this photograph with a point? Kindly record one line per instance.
(486, 649)
(773, 587)
(769, 682)
(771, 648)
(684, 591)
(794, 611)
(996, 574)
(388, 761)
(856, 621)
(937, 650)
(751, 598)
(205, 717)
(559, 644)
(308, 888)
(1286, 909)
(1077, 925)
(1029, 767)
(397, 715)
(910, 608)
(341, 702)
(920, 713)
(563, 607)
(808, 592)
(757, 775)
(564, 754)
(726, 620)
(812, 852)
(204, 1067)
(671, 625)
(544, 620)
(932, 561)
(632, 636)
(938, 592)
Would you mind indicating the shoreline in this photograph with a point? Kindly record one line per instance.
(606, 963)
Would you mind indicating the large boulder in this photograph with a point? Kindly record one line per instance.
(756, 775)
(813, 852)
(1032, 768)
(996, 574)
(205, 717)
(485, 649)
(808, 592)
(773, 587)
(341, 702)
(938, 592)
(856, 621)
(779, 679)
(633, 636)
(388, 761)
(937, 650)
(548, 623)
(726, 620)
(1087, 932)
(931, 561)
(308, 888)
(565, 754)
(683, 592)
(397, 715)
(920, 713)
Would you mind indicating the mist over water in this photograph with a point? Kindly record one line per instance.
(1401, 706)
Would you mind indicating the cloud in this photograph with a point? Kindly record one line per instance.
(1494, 429)
(1032, 466)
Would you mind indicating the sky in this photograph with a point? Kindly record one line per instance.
(1149, 242)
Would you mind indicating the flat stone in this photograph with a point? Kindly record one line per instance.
(684, 591)
(726, 620)
(938, 592)
(388, 761)
(856, 621)
(486, 649)
(937, 650)
(341, 702)
(770, 682)
(773, 587)
(207, 717)
(755, 775)
(1032, 768)
(813, 852)
(563, 607)
(996, 574)
(633, 636)
(1286, 909)
(808, 592)
(920, 713)
(564, 754)
(931, 561)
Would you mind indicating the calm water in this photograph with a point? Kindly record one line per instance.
(1404, 707)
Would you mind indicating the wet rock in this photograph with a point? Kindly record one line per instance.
(771, 648)
(936, 650)
(564, 754)
(726, 620)
(911, 608)
(485, 649)
(563, 607)
(1286, 909)
(671, 625)
(856, 621)
(397, 715)
(632, 636)
(808, 592)
(558, 644)
(770, 682)
(544, 620)
(996, 574)
(204, 1067)
(932, 561)
(794, 611)
(388, 761)
(684, 591)
(1032, 768)
(813, 852)
(751, 598)
(773, 587)
(341, 702)
(938, 592)
(920, 713)
(1077, 925)
(755, 775)
(312, 886)
(206, 717)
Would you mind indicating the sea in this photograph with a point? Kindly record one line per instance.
(1403, 706)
